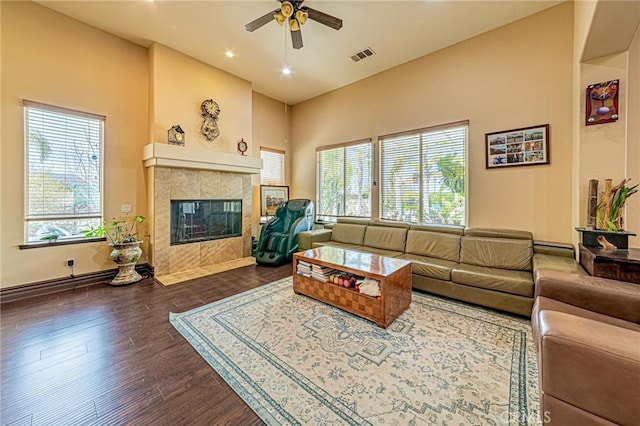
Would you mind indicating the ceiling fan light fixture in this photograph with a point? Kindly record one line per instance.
(280, 18)
(293, 24)
(286, 8)
(302, 16)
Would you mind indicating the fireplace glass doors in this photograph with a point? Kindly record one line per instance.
(202, 220)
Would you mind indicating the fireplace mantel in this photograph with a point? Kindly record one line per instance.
(165, 155)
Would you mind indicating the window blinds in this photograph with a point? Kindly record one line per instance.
(63, 164)
(272, 167)
(422, 175)
(344, 179)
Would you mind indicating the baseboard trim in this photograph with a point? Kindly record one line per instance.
(57, 285)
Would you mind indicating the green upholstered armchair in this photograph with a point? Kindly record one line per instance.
(279, 236)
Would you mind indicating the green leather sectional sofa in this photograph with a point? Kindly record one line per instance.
(496, 268)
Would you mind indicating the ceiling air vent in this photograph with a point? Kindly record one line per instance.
(363, 54)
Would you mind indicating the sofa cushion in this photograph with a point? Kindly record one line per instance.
(386, 237)
(556, 263)
(430, 266)
(507, 281)
(500, 253)
(433, 244)
(498, 233)
(335, 244)
(439, 228)
(546, 304)
(349, 233)
(379, 252)
(590, 365)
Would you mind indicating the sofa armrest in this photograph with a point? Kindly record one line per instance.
(608, 297)
(556, 249)
(307, 238)
(590, 365)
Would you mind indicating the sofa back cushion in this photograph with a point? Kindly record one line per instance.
(433, 244)
(504, 253)
(348, 233)
(386, 237)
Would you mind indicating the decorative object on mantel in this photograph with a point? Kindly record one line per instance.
(123, 238)
(609, 223)
(175, 135)
(518, 147)
(210, 111)
(242, 146)
(602, 103)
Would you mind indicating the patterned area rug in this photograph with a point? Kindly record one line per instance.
(298, 361)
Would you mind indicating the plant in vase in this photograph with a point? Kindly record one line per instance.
(610, 210)
(123, 238)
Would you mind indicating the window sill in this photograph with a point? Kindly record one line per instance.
(38, 244)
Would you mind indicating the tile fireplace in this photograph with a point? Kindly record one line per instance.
(193, 176)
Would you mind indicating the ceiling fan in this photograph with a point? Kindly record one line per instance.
(297, 14)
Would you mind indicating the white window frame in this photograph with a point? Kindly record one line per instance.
(59, 134)
(424, 172)
(326, 217)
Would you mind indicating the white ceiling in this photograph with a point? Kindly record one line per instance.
(398, 31)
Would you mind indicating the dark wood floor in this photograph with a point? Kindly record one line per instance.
(108, 355)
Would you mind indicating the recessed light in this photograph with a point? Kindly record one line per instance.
(229, 54)
(286, 71)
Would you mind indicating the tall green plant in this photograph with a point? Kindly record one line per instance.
(609, 213)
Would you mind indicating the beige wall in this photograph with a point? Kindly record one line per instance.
(143, 92)
(609, 150)
(515, 76)
(603, 146)
(633, 138)
(50, 58)
(270, 130)
(180, 83)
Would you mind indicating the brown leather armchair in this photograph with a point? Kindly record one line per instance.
(587, 332)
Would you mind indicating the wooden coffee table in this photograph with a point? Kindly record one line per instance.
(394, 276)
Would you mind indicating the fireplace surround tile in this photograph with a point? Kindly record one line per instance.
(179, 183)
(219, 251)
(185, 184)
(184, 257)
(209, 184)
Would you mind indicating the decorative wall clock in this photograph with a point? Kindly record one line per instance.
(242, 147)
(210, 111)
(175, 135)
(602, 103)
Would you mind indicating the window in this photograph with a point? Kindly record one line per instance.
(343, 181)
(272, 167)
(63, 166)
(423, 175)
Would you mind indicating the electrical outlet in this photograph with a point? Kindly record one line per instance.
(71, 263)
(125, 208)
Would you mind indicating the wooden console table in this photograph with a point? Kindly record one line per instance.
(622, 265)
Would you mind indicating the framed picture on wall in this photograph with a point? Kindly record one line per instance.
(271, 197)
(602, 103)
(518, 147)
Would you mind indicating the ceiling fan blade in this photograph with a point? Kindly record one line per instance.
(296, 39)
(263, 20)
(323, 18)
